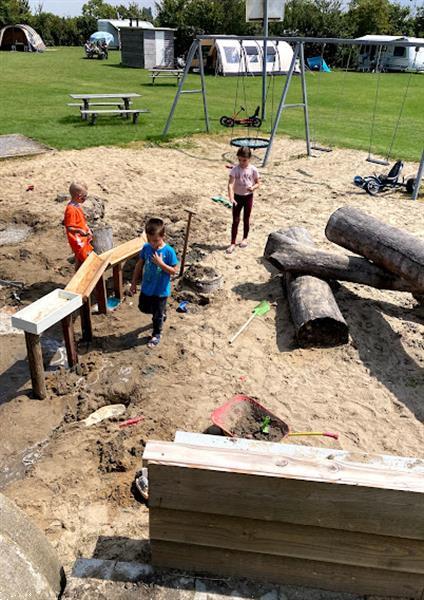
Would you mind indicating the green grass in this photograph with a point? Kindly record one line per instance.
(34, 93)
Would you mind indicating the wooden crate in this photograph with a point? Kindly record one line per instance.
(288, 514)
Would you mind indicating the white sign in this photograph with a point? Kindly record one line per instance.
(255, 10)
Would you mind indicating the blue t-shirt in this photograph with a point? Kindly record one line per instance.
(155, 281)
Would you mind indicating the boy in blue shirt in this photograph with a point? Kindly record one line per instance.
(157, 262)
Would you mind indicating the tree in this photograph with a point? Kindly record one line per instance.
(14, 11)
(98, 9)
(401, 22)
(369, 17)
(419, 22)
(134, 10)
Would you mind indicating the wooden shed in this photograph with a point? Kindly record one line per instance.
(147, 48)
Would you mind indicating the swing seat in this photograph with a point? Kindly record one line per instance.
(248, 142)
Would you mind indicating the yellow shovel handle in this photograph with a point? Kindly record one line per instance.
(325, 433)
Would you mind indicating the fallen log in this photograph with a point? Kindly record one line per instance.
(293, 256)
(315, 314)
(393, 249)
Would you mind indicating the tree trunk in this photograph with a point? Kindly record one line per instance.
(388, 247)
(293, 256)
(315, 314)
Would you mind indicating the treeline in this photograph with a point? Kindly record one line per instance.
(317, 18)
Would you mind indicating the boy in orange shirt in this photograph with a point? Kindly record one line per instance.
(77, 230)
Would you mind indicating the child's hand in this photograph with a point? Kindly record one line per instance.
(133, 289)
(233, 202)
(156, 259)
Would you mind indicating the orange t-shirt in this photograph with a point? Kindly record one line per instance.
(74, 217)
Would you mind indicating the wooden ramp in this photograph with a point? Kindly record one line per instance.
(85, 279)
(288, 514)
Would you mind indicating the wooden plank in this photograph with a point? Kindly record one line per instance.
(70, 344)
(124, 251)
(36, 367)
(355, 459)
(284, 539)
(289, 571)
(312, 468)
(47, 311)
(348, 507)
(85, 279)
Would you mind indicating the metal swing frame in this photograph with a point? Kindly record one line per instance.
(298, 55)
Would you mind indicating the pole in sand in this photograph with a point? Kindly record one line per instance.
(183, 257)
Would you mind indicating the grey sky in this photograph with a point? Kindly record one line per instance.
(73, 7)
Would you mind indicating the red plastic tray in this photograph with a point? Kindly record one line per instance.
(220, 416)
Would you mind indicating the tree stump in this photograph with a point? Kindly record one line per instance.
(315, 314)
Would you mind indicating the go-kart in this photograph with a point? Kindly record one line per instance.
(373, 184)
(252, 121)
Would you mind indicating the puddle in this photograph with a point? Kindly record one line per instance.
(13, 234)
(19, 464)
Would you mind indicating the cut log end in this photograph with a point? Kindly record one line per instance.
(325, 332)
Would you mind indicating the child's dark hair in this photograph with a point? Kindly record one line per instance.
(155, 227)
(244, 152)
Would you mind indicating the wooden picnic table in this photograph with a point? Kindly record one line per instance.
(163, 72)
(87, 98)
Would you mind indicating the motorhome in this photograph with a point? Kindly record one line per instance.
(394, 57)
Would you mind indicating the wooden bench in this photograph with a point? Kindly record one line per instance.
(93, 113)
(118, 104)
(166, 73)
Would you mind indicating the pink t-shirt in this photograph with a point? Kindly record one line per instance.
(244, 179)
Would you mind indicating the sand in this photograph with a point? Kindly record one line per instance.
(370, 391)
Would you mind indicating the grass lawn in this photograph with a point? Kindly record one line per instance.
(35, 87)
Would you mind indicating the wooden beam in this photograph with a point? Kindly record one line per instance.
(118, 282)
(284, 539)
(86, 321)
(388, 247)
(124, 251)
(69, 337)
(289, 571)
(101, 295)
(86, 278)
(36, 367)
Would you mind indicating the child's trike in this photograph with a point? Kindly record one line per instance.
(252, 121)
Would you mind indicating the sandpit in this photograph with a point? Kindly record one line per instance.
(370, 390)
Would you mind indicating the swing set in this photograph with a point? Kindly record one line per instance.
(297, 67)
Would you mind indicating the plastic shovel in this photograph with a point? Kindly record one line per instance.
(260, 310)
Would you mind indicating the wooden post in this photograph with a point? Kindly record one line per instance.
(70, 344)
(118, 283)
(36, 368)
(183, 257)
(86, 324)
(101, 295)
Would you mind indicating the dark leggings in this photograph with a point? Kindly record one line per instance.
(244, 203)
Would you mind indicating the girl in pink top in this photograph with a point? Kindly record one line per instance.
(244, 180)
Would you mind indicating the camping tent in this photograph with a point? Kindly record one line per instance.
(234, 57)
(317, 63)
(21, 37)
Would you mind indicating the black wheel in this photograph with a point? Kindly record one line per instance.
(256, 122)
(372, 187)
(410, 184)
(226, 121)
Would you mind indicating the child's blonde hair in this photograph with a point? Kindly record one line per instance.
(76, 188)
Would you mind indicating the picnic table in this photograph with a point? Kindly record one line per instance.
(104, 100)
(164, 72)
